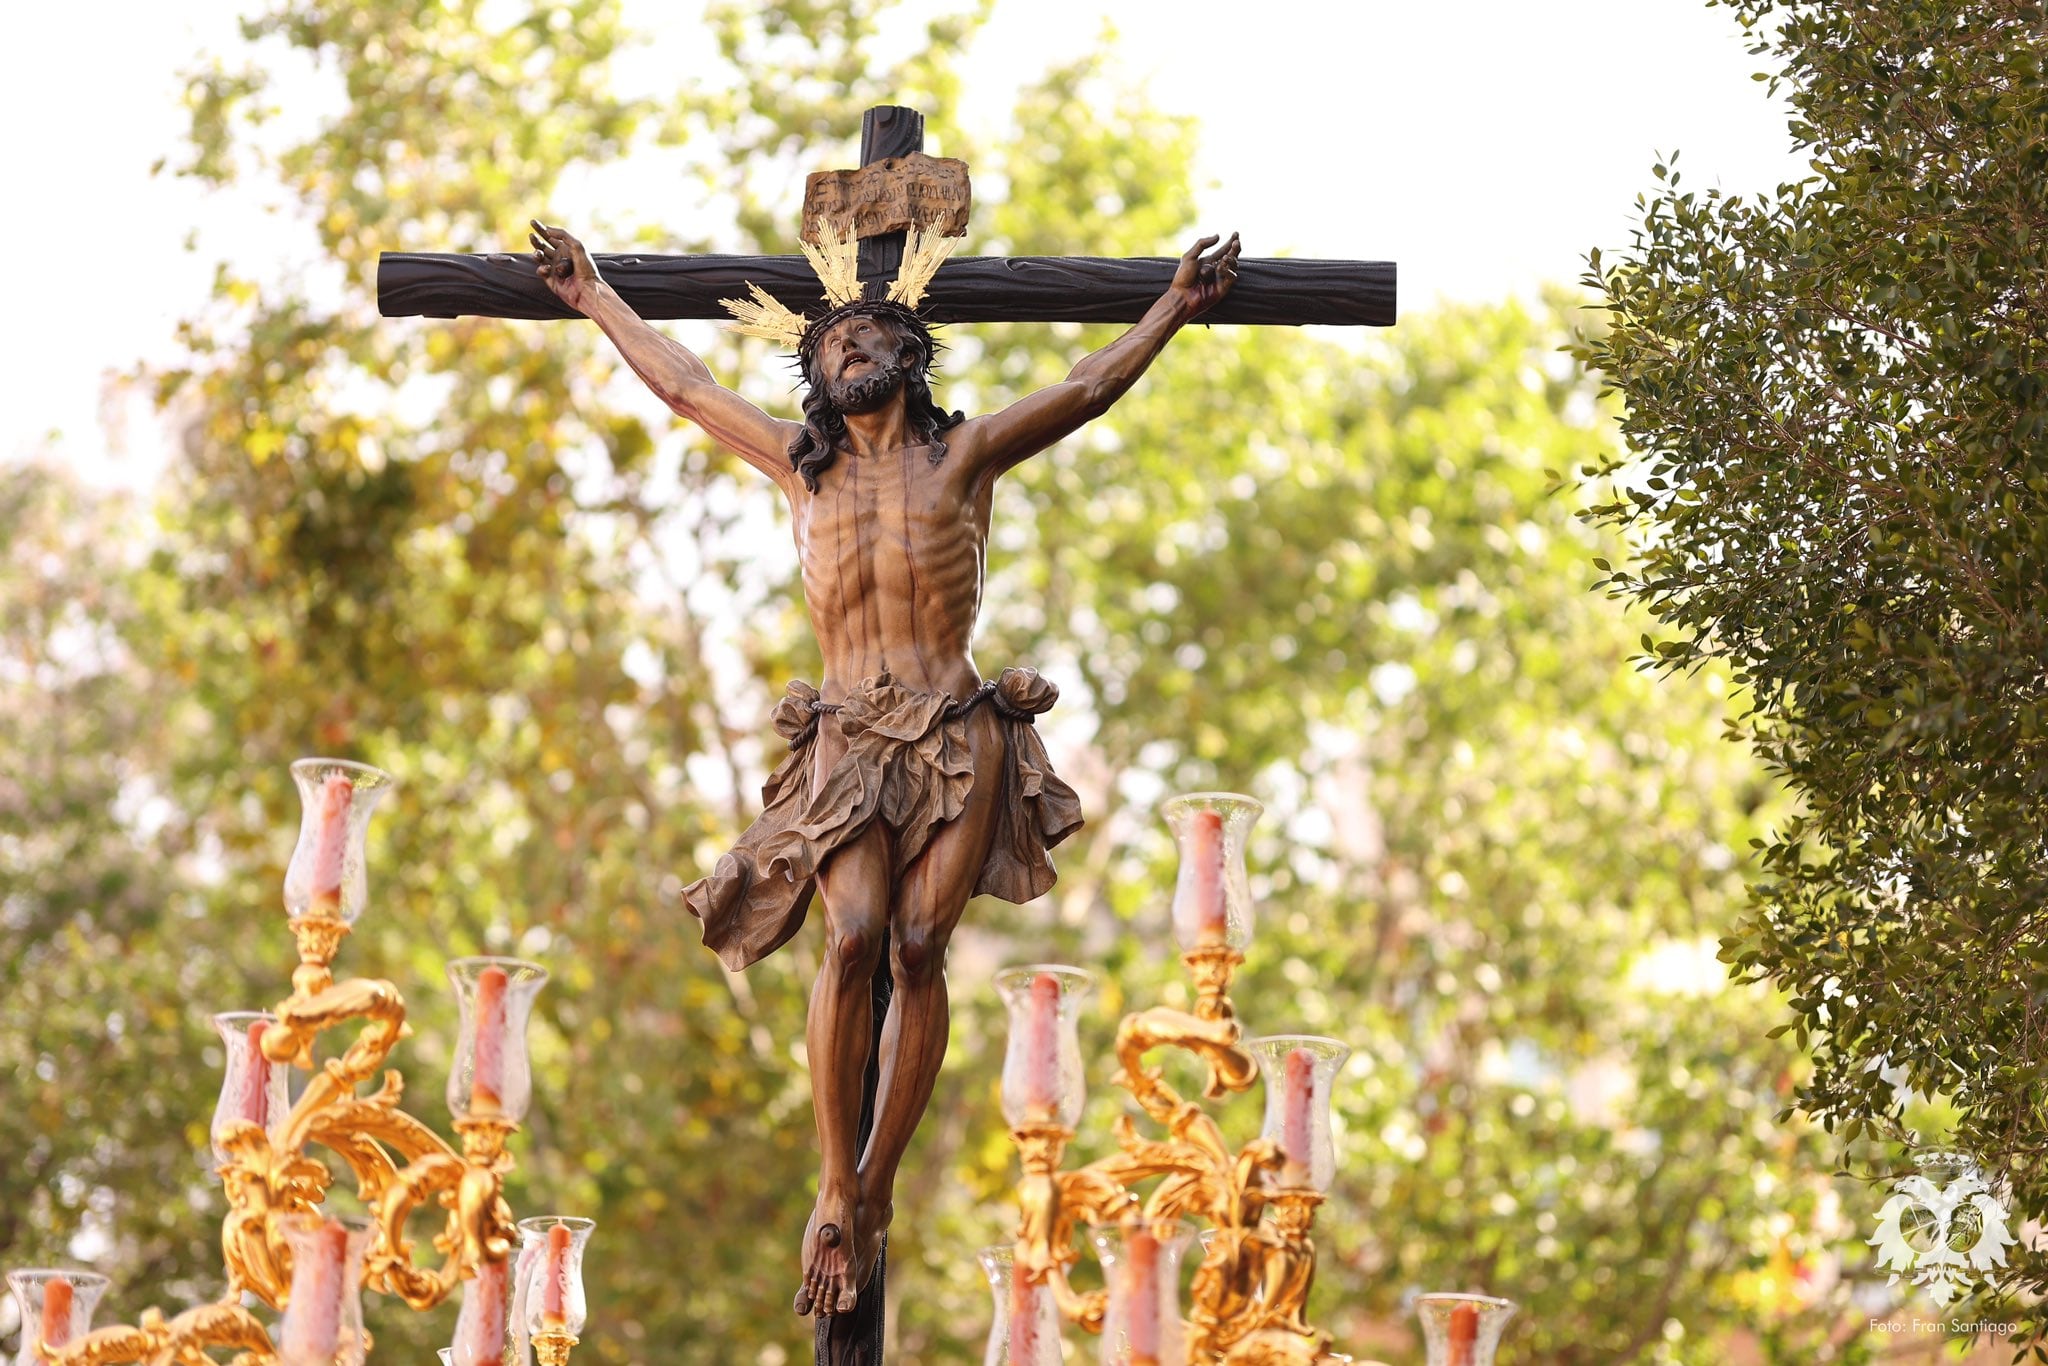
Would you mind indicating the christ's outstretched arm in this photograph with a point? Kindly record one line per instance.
(671, 370)
(1031, 424)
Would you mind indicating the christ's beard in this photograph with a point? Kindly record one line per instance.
(869, 391)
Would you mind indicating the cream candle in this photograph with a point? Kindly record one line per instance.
(253, 1101)
(1041, 1079)
(480, 1329)
(1464, 1335)
(1297, 1117)
(1142, 1329)
(487, 1089)
(554, 1290)
(330, 848)
(312, 1327)
(1206, 909)
(54, 1329)
(1024, 1326)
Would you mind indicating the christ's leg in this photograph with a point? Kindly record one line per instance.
(854, 883)
(929, 899)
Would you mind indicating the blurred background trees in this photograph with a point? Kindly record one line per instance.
(1496, 859)
(1838, 418)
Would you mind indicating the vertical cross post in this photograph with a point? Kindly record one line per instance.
(887, 130)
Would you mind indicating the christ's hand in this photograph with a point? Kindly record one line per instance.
(1203, 280)
(1035, 421)
(677, 377)
(565, 265)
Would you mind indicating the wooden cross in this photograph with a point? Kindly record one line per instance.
(970, 289)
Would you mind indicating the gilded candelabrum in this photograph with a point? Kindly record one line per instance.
(275, 1186)
(1250, 1291)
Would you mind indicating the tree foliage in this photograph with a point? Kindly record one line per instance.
(1837, 412)
(474, 553)
(91, 906)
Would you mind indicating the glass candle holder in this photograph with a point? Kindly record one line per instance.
(326, 877)
(524, 1257)
(1299, 1070)
(1141, 1266)
(56, 1305)
(1212, 897)
(1462, 1330)
(481, 1336)
(1026, 1330)
(323, 1316)
(253, 1089)
(550, 1292)
(1042, 1078)
(491, 1077)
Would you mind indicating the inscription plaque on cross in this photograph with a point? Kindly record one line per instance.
(911, 783)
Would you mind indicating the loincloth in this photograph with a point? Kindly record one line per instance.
(908, 765)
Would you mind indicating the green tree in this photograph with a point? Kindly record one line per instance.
(474, 553)
(100, 1059)
(1835, 413)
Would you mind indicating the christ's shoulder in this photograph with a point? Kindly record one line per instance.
(967, 448)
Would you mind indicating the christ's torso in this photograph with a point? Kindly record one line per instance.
(893, 550)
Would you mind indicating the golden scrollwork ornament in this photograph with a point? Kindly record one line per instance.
(1249, 1295)
(274, 1182)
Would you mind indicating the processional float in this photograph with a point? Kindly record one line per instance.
(523, 1297)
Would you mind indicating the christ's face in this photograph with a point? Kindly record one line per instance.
(859, 361)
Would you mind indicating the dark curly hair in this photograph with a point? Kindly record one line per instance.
(817, 445)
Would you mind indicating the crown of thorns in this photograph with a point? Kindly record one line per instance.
(836, 261)
(906, 319)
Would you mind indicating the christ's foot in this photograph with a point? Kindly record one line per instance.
(875, 1219)
(833, 1269)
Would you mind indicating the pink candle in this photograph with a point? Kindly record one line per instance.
(252, 1103)
(1040, 1084)
(487, 1088)
(1141, 1297)
(55, 1328)
(1464, 1334)
(480, 1330)
(1206, 911)
(312, 1327)
(554, 1290)
(330, 845)
(1024, 1334)
(1297, 1117)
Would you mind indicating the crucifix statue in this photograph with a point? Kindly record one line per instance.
(912, 782)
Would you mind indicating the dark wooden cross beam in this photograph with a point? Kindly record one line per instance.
(970, 289)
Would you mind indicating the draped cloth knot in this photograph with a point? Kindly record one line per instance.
(796, 715)
(907, 764)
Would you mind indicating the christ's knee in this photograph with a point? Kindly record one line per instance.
(919, 956)
(853, 947)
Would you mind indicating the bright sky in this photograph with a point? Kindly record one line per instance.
(1484, 145)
